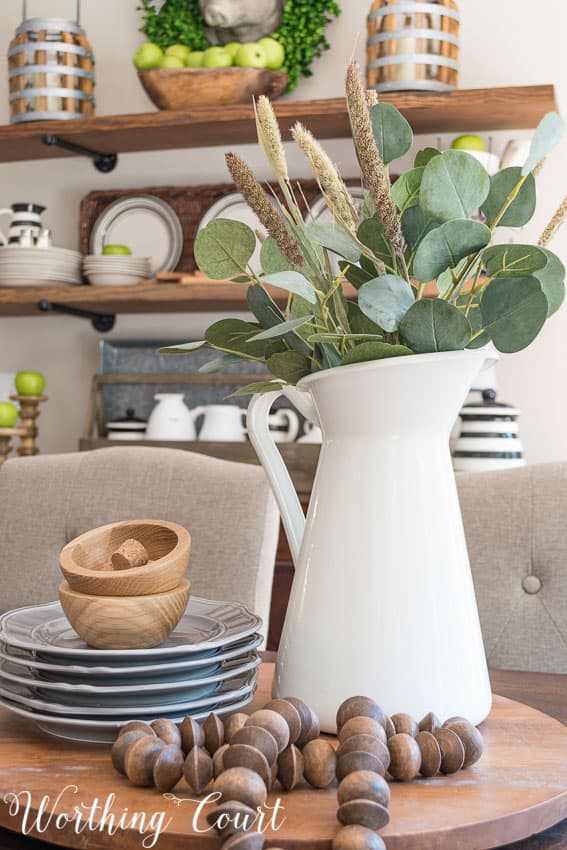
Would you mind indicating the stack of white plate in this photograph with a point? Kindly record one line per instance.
(38, 266)
(50, 676)
(116, 269)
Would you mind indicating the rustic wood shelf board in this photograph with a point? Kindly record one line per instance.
(201, 295)
(518, 788)
(512, 108)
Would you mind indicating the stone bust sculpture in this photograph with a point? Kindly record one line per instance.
(241, 20)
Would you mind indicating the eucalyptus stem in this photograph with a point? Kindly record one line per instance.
(473, 290)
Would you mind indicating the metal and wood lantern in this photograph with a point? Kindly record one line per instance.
(413, 45)
(50, 69)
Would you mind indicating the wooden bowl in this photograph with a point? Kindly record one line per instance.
(168, 546)
(129, 622)
(186, 88)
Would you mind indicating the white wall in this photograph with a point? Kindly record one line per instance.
(503, 43)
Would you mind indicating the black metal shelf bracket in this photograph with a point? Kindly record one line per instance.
(104, 162)
(101, 322)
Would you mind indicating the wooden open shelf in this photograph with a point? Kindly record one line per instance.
(200, 296)
(511, 108)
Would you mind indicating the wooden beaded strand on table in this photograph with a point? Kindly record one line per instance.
(245, 754)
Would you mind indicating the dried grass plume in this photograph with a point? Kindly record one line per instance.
(554, 225)
(269, 137)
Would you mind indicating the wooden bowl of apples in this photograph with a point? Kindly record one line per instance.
(182, 89)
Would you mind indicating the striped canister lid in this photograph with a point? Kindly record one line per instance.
(488, 436)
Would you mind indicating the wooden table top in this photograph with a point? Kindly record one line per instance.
(55, 761)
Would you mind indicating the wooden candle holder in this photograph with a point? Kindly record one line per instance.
(6, 435)
(29, 411)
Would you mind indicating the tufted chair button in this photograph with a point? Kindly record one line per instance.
(531, 584)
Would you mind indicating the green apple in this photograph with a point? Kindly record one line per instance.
(216, 57)
(171, 62)
(195, 59)
(468, 143)
(233, 48)
(8, 414)
(251, 55)
(29, 383)
(179, 50)
(275, 53)
(116, 251)
(147, 56)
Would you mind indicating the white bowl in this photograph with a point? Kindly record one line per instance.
(105, 279)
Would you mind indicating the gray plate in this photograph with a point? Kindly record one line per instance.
(181, 668)
(134, 694)
(105, 731)
(205, 626)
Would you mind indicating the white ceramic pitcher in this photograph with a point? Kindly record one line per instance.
(222, 423)
(171, 419)
(383, 601)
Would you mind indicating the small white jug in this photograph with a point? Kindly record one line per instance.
(284, 418)
(24, 217)
(223, 423)
(171, 419)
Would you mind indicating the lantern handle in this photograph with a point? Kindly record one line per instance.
(77, 13)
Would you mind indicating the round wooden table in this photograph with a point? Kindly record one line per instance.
(517, 789)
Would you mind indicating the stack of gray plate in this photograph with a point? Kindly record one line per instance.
(50, 676)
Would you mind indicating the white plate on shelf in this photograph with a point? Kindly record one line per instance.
(147, 225)
(101, 675)
(183, 689)
(205, 626)
(229, 690)
(113, 279)
(105, 731)
(12, 282)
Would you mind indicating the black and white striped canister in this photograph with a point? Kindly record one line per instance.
(488, 436)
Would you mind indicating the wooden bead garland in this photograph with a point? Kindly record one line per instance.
(245, 754)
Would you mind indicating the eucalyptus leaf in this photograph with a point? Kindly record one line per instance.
(475, 321)
(513, 260)
(367, 351)
(271, 258)
(335, 338)
(416, 225)
(547, 136)
(219, 364)
(223, 248)
(513, 312)
(406, 189)
(425, 156)
(258, 388)
(454, 185)
(392, 132)
(329, 235)
(521, 209)
(447, 245)
(386, 300)
(371, 233)
(292, 282)
(269, 315)
(183, 348)
(283, 329)
(290, 366)
(434, 325)
(359, 323)
(552, 279)
(328, 355)
(354, 274)
(232, 336)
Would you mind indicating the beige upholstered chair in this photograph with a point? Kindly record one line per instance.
(516, 528)
(228, 508)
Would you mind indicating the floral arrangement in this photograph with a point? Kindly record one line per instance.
(421, 257)
(302, 31)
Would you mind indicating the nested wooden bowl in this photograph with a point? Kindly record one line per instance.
(187, 88)
(129, 622)
(168, 546)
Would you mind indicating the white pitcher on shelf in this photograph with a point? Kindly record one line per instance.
(24, 217)
(171, 419)
(284, 418)
(222, 423)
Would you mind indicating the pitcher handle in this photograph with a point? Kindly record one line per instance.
(275, 468)
(293, 424)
